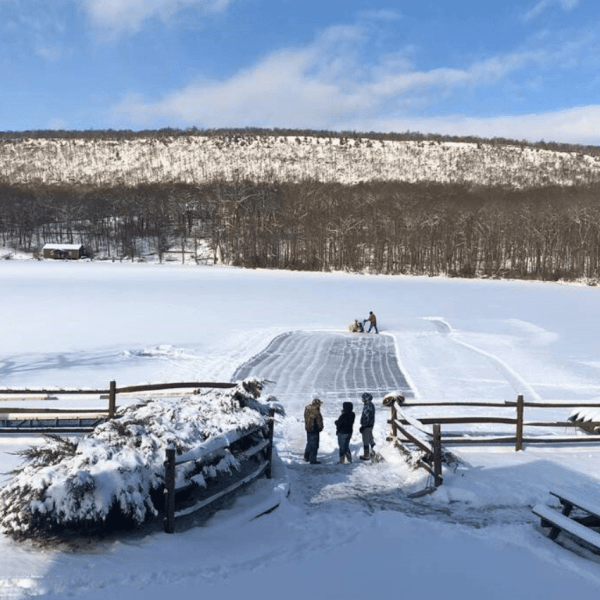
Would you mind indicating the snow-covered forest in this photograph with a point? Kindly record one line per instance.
(195, 159)
(322, 202)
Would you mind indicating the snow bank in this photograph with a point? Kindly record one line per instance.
(107, 479)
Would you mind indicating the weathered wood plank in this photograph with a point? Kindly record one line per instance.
(231, 488)
(173, 386)
(586, 504)
(564, 523)
(54, 411)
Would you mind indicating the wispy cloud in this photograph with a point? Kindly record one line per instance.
(127, 16)
(49, 53)
(319, 85)
(36, 27)
(542, 5)
(328, 84)
(579, 125)
(381, 15)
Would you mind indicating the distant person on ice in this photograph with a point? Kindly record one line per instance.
(372, 320)
(343, 428)
(313, 423)
(367, 421)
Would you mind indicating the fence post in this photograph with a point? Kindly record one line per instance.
(394, 417)
(519, 435)
(437, 455)
(169, 523)
(112, 399)
(270, 429)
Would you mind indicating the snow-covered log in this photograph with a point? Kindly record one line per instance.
(113, 477)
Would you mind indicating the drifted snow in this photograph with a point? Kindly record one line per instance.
(345, 530)
(122, 460)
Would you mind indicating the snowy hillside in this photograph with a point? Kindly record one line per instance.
(197, 159)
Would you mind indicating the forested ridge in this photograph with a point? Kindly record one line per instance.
(454, 225)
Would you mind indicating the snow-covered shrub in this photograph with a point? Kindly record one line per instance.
(107, 479)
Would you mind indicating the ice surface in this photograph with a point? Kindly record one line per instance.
(345, 530)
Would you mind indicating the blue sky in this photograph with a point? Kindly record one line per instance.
(523, 69)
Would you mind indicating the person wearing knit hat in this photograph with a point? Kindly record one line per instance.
(372, 320)
(367, 422)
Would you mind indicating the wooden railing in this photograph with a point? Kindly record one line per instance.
(37, 416)
(261, 452)
(430, 441)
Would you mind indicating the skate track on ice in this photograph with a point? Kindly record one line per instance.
(338, 367)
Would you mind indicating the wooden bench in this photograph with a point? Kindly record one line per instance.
(563, 521)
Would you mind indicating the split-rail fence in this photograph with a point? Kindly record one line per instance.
(43, 419)
(257, 456)
(407, 431)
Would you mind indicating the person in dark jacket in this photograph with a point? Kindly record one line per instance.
(372, 320)
(343, 428)
(313, 423)
(367, 422)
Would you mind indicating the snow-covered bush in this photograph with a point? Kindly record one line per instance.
(108, 478)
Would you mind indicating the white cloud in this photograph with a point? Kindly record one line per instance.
(119, 16)
(326, 85)
(57, 123)
(579, 125)
(381, 15)
(320, 85)
(542, 5)
(49, 53)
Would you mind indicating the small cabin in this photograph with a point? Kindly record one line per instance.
(63, 251)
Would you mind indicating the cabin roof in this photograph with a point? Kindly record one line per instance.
(62, 246)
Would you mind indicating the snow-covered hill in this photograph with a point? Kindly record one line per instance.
(198, 159)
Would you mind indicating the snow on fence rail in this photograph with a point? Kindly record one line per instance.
(74, 420)
(114, 477)
(257, 456)
(176, 486)
(429, 441)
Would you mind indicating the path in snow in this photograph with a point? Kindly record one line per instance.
(338, 367)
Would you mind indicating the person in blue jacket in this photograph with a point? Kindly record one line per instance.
(367, 422)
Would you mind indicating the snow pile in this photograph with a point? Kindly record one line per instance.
(108, 479)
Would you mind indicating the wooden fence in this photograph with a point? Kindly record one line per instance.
(74, 420)
(260, 453)
(430, 441)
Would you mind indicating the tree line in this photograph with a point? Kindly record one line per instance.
(234, 133)
(379, 227)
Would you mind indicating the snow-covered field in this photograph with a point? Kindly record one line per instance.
(345, 531)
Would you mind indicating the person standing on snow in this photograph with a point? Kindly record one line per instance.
(343, 428)
(372, 320)
(313, 423)
(367, 421)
